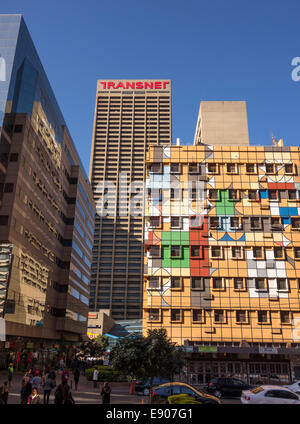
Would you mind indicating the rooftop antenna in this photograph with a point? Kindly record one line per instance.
(177, 141)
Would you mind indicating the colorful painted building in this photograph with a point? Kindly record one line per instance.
(222, 257)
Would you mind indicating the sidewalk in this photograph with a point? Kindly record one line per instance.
(86, 393)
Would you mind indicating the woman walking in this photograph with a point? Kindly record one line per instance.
(105, 393)
(49, 384)
(34, 398)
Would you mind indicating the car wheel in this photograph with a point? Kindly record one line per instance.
(218, 394)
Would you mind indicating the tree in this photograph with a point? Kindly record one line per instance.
(148, 357)
(94, 348)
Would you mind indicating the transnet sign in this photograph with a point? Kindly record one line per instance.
(138, 85)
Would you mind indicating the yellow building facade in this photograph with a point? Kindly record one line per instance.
(222, 254)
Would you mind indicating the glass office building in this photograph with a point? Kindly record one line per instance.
(46, 203)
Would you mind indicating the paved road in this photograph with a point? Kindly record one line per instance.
(86, 394)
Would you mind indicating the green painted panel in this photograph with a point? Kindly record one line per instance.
(224, 206)
(176, 237)
(168, 262)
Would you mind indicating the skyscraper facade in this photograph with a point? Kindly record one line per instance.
(222, 268)
(129, 116)
(46, 203)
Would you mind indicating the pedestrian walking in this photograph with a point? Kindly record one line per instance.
(36, 381)
(105, 393)
(65, 376)
(10, 373)
(67, 395)
(5, 392)
(34, 398)
(95, 377)
(25, 391)
(49, 384)
(76, 377)
(59, 394)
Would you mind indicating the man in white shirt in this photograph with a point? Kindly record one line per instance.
(95, 377)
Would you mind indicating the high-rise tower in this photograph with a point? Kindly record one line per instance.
(129, 115)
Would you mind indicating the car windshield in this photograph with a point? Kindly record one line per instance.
(257, 390)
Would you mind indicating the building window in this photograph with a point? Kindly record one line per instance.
(156, 168)
(297, 252)
(288, 168)
(276, 223)
(18, 128)
(214, 222)
(278, 252)
(233, 195)
(255, 223)
(236, 252)
(241, 316)
(296, 223)
(193, 168)
(175, 168)
(285, 317)
(212, 168)
(216, 252)
(250, 168)
(154, 283)
(175, 222)
(197, 283)
(213, 194)
(232, 168)
(198, 315)
(154, 251)
(292, 195)
(282, 284)
(196, 221)
(154, 315)
(273, 195)
(195, 251)
(270, 168)
(175, 251)
(235, 222)
(219, 316)
(238, 283)
(3, 221)
(175, 283)
(13, 157)
(176, 315)
(175, 193)
(217, 283)
(260, 284)
(8, 188)
(257, 252)
(253, 195)
(155, 221)
(262, 317)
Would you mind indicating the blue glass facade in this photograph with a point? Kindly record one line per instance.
(23, 81)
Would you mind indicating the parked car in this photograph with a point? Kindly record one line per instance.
(161, 393)
(227, 387)
(143, 387)
(294, 386)
(269, 395)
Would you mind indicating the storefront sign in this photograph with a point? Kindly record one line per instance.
(134, 85)
(266, 350)
(208, 349)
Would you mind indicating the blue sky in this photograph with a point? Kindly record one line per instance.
(211, 50)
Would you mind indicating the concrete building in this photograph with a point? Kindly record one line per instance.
(129, 116)
(46, 204)
(222, 258)
(222, 123)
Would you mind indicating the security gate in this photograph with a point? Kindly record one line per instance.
(199, 373)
